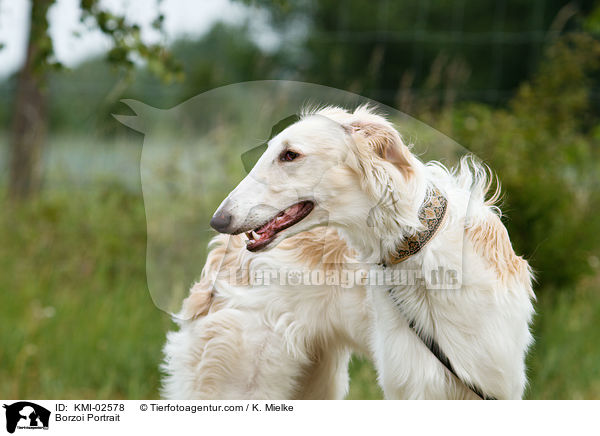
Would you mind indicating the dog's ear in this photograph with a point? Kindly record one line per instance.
(384, 140)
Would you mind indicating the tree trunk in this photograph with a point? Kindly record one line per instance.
(30, 119)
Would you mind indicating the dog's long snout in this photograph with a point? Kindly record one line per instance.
(221, 221)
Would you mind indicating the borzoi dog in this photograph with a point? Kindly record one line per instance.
(351, 170)
(242, 337)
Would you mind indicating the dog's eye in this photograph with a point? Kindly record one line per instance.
(288, 156)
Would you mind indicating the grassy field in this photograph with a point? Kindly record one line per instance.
(77, 321)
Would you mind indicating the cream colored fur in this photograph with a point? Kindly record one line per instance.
(243, 341)
(365, 182)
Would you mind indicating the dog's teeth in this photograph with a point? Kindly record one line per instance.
(255, 235)
(249, 235)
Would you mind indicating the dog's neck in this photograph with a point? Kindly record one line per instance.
(431, 214)
(399, 224)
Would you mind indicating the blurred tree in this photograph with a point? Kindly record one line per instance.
(225, 55)
(30, 119)
(405, 53)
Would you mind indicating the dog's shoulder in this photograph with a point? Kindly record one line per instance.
(491, 241)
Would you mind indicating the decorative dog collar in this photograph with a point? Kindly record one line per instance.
(431, 215)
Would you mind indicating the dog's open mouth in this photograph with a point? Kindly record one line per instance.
(264, 235)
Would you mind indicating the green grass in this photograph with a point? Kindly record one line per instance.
(565, 360)
(77, 321)
(363, 381)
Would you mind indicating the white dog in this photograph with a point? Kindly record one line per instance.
(243, 340)
(465, 338)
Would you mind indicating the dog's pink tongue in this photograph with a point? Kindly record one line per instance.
(279, 221)
(267, 231)
(293, 211)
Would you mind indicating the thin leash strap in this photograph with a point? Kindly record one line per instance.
(436, 350)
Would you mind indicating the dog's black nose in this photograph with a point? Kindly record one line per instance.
(220, 221)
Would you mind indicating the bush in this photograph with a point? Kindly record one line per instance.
(545, 148)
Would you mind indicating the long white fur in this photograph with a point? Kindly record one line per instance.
(243, 341)
(370, 187)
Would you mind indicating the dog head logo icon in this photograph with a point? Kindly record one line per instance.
(26, 415)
